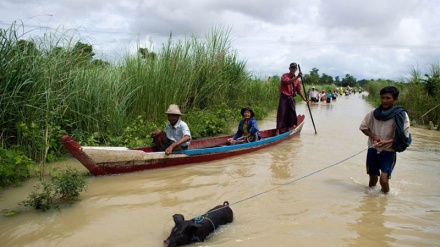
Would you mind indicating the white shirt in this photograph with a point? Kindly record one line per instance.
(177, 131)
(385, 130)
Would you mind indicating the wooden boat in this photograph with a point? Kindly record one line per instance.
(114, 160)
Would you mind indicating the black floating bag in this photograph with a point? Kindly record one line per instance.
(401, 142)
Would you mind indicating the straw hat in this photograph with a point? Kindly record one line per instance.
(173, 109)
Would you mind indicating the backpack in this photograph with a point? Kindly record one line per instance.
(401, 142)
(401, 145)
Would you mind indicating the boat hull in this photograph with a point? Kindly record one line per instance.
(115, 160)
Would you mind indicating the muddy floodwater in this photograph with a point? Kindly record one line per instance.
(311, 191)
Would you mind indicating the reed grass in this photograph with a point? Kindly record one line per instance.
(414, 96)
(48, 89)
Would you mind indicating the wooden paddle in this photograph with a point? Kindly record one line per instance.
(305, 95)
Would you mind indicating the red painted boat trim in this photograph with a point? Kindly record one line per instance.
(108, 168)
(75, 149)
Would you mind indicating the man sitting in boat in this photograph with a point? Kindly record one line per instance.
(176, 136)
(247, 129)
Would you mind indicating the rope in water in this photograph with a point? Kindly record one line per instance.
(292, 181)
(284, 184)
(295, 180)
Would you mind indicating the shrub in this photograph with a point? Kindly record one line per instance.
(14, 167)
(63, 187)
(205, 123)
(68, 184)
(42, 198)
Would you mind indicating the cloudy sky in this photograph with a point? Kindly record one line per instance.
(366, 39)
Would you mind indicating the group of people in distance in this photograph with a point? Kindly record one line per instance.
(387, 128)
(316, 96)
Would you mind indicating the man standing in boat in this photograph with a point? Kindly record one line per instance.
(176, 136)
(290, 86)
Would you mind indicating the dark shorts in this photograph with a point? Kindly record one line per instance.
(168, 142)
(380, 162)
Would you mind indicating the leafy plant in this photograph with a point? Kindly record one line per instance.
(10, 213)
(68, 184)
(63, 187)
(14, 167)
(204, 123)
(137, 133)
(43, 197)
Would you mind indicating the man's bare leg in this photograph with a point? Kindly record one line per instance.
(373, 181)
(384, 182)
(159, 138)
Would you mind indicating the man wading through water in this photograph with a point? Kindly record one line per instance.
(387, 128)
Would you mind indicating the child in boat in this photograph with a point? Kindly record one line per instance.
(247, 129)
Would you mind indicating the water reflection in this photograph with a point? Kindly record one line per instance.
(329, 208)
(244, 169)
(281, 164)
(371, 226)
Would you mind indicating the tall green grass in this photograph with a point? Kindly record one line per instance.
(419, 94)
(49, 89)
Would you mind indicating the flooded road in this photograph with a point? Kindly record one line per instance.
(311, 191)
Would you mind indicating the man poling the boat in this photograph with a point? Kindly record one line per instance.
(290, 86)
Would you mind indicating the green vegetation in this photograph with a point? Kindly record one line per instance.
(14, 167)
(420, 95)
(52, 86)
(313, 78)
(63, 187)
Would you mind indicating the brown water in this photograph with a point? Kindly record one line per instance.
(308, 192)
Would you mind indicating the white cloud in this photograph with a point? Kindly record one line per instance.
(374, 39)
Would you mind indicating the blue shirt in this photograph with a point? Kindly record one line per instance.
(252, 128)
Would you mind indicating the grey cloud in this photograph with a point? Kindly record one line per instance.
(335, 36)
